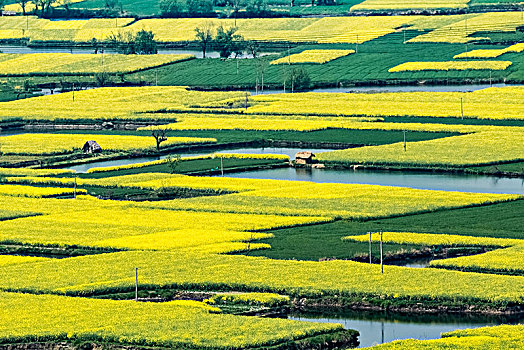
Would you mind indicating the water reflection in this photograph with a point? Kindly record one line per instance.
(419, 180)
(382, 327)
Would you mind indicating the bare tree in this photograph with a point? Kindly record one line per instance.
(46, 6)
(253, 48)
(204, 35)
(160, 136)
(66, 4)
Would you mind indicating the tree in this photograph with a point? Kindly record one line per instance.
(144, 43)
(236, 5)
(298, 79)
(102, 79)
(228, 42)
(173, 162)
(204, 36)
(2, 3)
(256, 7)
(110, 4)
(253, 48)
(66, 4)
(122, 42)
(160, 136)
(22, 4)
(199, 7)
(39, 4)
(171, 8)
(46, 6)
(94, 44)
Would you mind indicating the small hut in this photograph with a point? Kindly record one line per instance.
(91, 147)
(304, 158)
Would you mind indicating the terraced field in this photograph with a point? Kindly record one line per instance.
(160, 244)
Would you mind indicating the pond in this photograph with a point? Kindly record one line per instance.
(419, 180)
(82, 168)
(378, 328)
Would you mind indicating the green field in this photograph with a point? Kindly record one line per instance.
(324, 241)
(369, 65)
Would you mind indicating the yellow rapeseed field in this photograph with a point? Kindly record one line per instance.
(57, 63)
(409, 4)
(67, 143)
(473, 149)
(451, 65)
(177, 324)
(313, 56)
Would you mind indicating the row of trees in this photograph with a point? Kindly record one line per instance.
(44, 7)
(226, 40)
(178, 8)
(141, 43)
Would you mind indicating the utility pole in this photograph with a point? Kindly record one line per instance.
(73, 92)
(75, 188)
(237, 66)
(370, 261)
(405, 148)
(222, 165)
(461, 109)
(381, 255)
(136, 283)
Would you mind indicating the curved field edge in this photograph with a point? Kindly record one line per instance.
(497, 337)
(178, 324)
(338, 339)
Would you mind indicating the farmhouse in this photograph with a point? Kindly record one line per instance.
(304, 158)
(91, 147)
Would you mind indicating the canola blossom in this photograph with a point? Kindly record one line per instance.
(490, 53)
(491, 103)
(259, 299)
(176, 324)
(374, 5)
(482, 148)
(497, 337)
(60, 63)
(436, 239)
(451, 65)
(37, 192)
(460, 29)
(313, 56)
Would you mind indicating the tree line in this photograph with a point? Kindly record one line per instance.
(195, 8)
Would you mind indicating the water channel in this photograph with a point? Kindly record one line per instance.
(419, 180)
(82, 168)
(88, 50)
(378, 328)
(392, 88)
